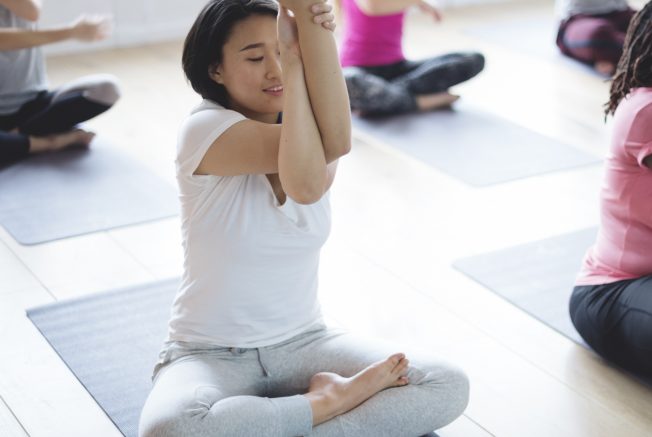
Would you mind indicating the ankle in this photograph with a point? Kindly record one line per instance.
(39, 144)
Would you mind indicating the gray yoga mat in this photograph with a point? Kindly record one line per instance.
(110, 342)
(58, 195)
(536, 277)
(473, 146)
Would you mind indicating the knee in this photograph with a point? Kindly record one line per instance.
(451, 388)
(477, 62)
(105, 91)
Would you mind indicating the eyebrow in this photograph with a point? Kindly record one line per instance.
(252, 46)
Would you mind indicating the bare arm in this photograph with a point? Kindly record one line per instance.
(14, 39)
(83, 29)
(26, 9)
(324, 80)
(301, 159)
(294, 149)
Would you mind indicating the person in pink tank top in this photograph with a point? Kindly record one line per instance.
(379, 79)
(611, 304)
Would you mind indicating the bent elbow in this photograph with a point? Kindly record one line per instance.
(306, 197)
(307, 193)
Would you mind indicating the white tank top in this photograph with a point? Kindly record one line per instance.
(250, 264)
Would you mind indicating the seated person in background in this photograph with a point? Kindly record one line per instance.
(32, 118)
(379, 79)
(593, 31)
(611, 304)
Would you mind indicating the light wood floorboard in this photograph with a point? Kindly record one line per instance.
(398, 224)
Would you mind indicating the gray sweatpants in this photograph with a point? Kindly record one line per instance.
(202, 390)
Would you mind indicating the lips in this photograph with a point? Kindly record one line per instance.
(275, 90)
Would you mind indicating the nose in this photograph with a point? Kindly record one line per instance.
(273, 68)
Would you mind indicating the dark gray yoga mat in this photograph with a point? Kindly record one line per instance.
(58, 195)
(473, 146)
(536, 277)
(110, 342)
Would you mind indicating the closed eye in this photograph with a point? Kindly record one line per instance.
(255, 59)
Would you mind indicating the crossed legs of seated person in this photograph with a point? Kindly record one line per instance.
(47, 122)
(203, 390)
(409, 86)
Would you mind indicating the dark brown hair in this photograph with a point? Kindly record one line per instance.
(202, 50)
(635, 65)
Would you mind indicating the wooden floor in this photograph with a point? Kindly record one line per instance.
(398, 225)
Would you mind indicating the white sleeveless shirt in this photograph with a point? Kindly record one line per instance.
(250, 264)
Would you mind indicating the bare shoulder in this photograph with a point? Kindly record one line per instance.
(246, 147)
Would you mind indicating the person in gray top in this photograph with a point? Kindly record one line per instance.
(33, 118)
(593, 31)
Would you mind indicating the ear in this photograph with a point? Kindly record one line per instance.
(215, 73)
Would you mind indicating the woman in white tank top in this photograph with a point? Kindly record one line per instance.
(247, 352)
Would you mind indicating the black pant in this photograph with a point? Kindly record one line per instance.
(41, 117)
(391, 89)
(616, 321)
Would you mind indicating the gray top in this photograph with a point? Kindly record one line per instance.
(22, 72)
(566, 8)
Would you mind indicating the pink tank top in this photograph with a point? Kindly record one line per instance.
(370, 40)
(623, 249)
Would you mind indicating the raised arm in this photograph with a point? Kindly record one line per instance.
(325, 82)
(294, 149)
(83, 29)
(26, 9)
(302, 160)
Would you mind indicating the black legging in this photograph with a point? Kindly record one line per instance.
(616, 321)
(391, 89)
(41, 117)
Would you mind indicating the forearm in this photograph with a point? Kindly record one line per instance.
(14, 39)
(301, 161)
(325, 84)
(385, 7)
(25, 9)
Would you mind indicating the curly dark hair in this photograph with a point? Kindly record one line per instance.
(635, 65)
(202, 49)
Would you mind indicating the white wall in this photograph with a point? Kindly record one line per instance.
(135, 22)
(139, 22)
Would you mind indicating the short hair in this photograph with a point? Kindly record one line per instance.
(202, 49)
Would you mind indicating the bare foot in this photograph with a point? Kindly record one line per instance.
(605, 67)
(331, 395)
(77, 137)
(428, 102)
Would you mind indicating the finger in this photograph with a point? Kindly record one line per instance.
(320, 8)
(329, 25)
(323, 18)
